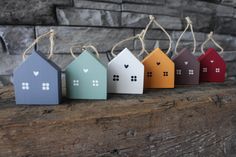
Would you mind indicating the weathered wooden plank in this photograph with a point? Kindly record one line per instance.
(186, 121)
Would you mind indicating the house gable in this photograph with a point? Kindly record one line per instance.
(86, 58)
(185, 54)
(125, 56)
(158, 55)
(210, 54)
(207, 53)
(37, 59)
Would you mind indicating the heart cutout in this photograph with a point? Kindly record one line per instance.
(126, 66)
(36, 73)
(186, 63)
(158, 63)
(85, 70)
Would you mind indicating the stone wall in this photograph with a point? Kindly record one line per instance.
(105, 22)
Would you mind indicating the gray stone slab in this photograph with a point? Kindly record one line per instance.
(103, 38)
(17, 38)
(110, 1)
(164, 45)
(225, 10)
(188, 36)
(5, 80)
(8, 63)
(153, 34)
(145, 1)
(150, 44)
(229, 2)
(87, 17)
(150, 9)
(201, 22)
(29, 12)
(229, 56)
(199, 7)
(223, 37)
(136, 20)
(176, 3)
(225, 25)
(97, 5)
(231, 69)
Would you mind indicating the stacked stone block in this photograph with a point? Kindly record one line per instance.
(105, 22)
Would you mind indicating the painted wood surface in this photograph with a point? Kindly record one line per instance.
(186, 68)
(191, 121)
(125, 74)
(86, 77)
(159, 70)
(212, 67)
(37, 81)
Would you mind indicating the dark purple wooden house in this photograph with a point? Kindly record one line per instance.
(37, 81)
(186, 68)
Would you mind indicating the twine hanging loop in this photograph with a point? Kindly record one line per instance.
(138, 36)
(153, 20)
(51, 35)
(189, 25)
(83, 48)
(210, 37)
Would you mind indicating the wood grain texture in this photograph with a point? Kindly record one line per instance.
(186, 121)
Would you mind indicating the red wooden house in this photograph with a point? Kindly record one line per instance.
(212, 67)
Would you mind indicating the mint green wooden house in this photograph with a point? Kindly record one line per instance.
(86, 77)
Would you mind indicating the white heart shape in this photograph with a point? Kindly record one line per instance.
(36, 73)
(85, 70)
(186, 63)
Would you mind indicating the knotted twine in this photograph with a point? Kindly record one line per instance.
(153, 20)
(210, 37)
(51, 34)
(83, 48)
(138, 36)
(189, 25)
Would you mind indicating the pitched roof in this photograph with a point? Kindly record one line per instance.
(40, 55)
(185, 52)
(128, 54)
(209, 52)
(87, 53)
(157, 51)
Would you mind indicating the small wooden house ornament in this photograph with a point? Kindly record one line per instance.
(212, 65)
(186, 64)
(37, 81)
(159, 68)
(86, 76)
(125, 71)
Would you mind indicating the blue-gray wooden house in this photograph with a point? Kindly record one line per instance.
(37, 81)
